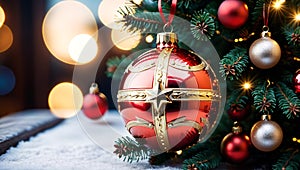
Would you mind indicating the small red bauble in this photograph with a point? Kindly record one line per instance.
(296, 81)
(237, 113)
(233, 13)
(166, 96)
(235, 147)
(94, 104)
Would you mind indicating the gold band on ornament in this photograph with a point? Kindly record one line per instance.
(175, 63)
(159, 96)
(173, 94)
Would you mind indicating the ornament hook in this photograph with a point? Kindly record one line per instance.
(166, 26)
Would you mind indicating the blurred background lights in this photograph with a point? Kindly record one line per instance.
(278, 4)
(149, 39)
(297, 17)
(138, 2)
(65, 100)
(6, 38)
(83, 48)
(125, 40)
(2, 16)
(7, 80)
(62, 23)
(108, 13)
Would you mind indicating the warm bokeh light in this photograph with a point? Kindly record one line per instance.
(65, 100)
(278, 4)
(62, 23)
(247, 86)
(2, 16)
(297, 17)
(7, 80)
(125, 40)
(149, 39)
(83, 48)
(138, 2)
(6, 38)
(107, 12)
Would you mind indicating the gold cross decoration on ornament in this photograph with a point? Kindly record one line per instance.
(159, 96)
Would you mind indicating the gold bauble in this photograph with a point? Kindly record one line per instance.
(265, 53)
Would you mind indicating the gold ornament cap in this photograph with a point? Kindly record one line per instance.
(237, 128)
(166, 39)
(94, 88)
(266, 117)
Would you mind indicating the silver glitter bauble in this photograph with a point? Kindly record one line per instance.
(264, 53)
(266, 135)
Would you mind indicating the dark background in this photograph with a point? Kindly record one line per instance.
(35, 69)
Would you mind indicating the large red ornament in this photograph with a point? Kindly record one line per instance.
(233, 13)
(235, 146)
(166, 96)
(296, 81)
(94, 104)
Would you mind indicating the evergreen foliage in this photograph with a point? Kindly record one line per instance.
(272, 89)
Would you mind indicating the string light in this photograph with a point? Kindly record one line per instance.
(296, 140)
(247, 85)
(297, 17)
(278, 4)
(149, 39)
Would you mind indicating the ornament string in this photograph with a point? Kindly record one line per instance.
(171, 15)
(266, 12)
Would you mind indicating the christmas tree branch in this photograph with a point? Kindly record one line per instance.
(131, 149)
(288, 101)
(288, 160)
(145, 21)
(206, 159)
(234, 63)
(264, 98)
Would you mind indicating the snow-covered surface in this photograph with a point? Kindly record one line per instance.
(76, 143)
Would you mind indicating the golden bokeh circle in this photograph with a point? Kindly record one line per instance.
(125, 40)
(6, 38)
(65, 100)
(62, 23)
(2, 16)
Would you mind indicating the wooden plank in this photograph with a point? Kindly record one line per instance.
(22, 125)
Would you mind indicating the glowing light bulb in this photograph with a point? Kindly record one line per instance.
(65, 100)
(297, 17)
(149, 39)
(247, 86)
(278, 4)
(83, 48)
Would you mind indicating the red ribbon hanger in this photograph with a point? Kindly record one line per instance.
(172, 12)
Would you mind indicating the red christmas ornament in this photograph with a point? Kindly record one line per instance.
(296, 81)
(233, 13)
(235, 146)
(237, 113)
(166, 96)
(94, 104)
